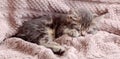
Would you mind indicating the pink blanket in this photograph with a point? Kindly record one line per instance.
(105, 44)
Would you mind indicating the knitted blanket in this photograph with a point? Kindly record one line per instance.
(105, 44)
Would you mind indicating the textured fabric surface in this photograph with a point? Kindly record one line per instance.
(105, 44)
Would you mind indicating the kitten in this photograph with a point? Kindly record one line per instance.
(45, 29)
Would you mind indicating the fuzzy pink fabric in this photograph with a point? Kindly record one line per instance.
(105, 44)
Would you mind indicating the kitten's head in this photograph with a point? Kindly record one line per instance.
(80, 20)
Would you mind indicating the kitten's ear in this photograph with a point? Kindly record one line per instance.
(68, 18)
(72, 15)
(72, 12)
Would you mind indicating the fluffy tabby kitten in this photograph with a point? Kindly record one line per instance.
(45, 29)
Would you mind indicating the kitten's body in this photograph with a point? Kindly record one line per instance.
(45, 29)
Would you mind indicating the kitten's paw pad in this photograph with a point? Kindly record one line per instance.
(73, 33)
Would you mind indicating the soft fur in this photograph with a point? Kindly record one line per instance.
(44, 29)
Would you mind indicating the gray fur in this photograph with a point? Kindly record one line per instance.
(45, 29)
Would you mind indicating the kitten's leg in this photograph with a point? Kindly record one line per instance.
(48, 42)
(55, 47)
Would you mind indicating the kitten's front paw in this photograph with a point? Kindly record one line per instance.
(73, 33)
(56, 48)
